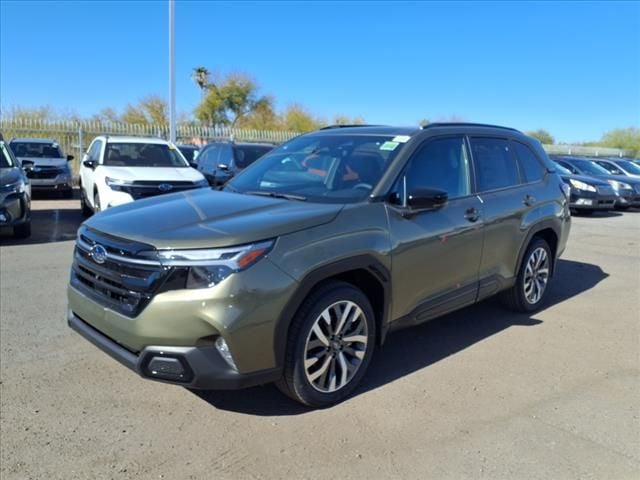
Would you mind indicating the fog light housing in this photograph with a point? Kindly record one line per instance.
(223, 349)
(584, 201)
(168, 368)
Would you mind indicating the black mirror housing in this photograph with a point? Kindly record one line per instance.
(89, 164)
(223, 166)
(70, 157)
(427, 198)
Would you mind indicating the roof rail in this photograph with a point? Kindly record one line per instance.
(329, 127)
(465, 124)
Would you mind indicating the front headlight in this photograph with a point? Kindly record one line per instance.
(582, 185)
(208, 267)
(115, 183)
(16, 187)
(617, 185)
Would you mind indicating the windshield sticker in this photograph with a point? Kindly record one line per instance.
(401, 138)
(390, 146)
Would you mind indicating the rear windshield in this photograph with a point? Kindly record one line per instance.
(36, 149)
(143, 155)
(245, 155)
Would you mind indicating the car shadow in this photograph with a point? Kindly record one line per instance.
(412, 349)
(54, 221)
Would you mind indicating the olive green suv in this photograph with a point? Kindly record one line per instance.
(296, 271)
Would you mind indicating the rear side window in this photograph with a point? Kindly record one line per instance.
(207, 159)
(610, 167)
(496, 167)
(532, 169)
(443, 164)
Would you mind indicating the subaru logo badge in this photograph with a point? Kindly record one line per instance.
(165, 187)
(98, 253)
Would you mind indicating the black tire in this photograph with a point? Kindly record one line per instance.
(623, 207)
(67, 193)
(515, 298)
(23, 230)
(294, 382)
(87, 211)
(587, 212)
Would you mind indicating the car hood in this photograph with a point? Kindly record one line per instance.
(44, 162)
(622, 178)
(9, 175)
(204, 218)
(585, 179)
(159, 174)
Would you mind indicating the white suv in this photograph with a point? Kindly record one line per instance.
(118, 170)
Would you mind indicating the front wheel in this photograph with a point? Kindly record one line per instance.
(330, 345)
(528, 293)
(87, 211)
(23, 230)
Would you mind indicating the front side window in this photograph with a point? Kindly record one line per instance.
(36, 150)
(532, 169)
(143, 155)
(6, 159)
(441, 164)
(333, 168)
(495, 164)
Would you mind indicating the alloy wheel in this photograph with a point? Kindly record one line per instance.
(536, 276)
(335, 346)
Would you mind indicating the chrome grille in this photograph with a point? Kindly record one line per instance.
(605, 189)
(125, 281)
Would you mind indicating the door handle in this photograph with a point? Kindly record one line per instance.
(472, 214)
(528, 200)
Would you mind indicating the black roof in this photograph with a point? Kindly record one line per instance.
(367, 130)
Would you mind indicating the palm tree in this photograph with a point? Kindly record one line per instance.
(201, 75)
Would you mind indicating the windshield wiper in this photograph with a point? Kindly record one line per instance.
(287, 196)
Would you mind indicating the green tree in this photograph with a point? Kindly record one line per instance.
(424, 122)
(346, 120)
(624, 138)
(542, 136)
(296, 118)
(262, 117)
(107, 114)
(149, 110)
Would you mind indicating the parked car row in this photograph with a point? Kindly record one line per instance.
(15, 194)
(600, 184)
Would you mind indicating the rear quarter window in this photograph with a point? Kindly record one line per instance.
(531, 166)
(495, 165)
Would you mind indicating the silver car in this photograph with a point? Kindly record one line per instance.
(45, 164)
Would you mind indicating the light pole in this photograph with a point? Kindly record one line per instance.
(172, 71)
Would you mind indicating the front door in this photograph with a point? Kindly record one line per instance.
(436, 253)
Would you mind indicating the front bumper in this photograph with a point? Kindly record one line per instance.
(584, 200)
(628, 198)
(192, 367)
(61, 182)
(15, 209)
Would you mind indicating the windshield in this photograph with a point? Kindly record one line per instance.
(245, 155)
(36, 149)
(562, 170)
(6, 159)
(589, 167)
(321, 168)
(630, 167)
(143, 155)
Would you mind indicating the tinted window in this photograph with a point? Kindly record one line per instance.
(442, 164)
(610, 167)
(188, 153)
(630, 167)
(6, 160)
(532, 169)
(208, 158)
(36, 150)
(568, 166)
(245, 155)
(590, 168)
(495, 165)
(143, 155)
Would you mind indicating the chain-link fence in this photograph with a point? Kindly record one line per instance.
(75, 137)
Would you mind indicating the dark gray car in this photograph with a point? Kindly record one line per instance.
(15, 194)
(220, 161)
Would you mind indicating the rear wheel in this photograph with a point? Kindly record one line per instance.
(528, 293)
(23, 230)
(330, 345)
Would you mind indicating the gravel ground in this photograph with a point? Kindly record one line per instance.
(481, 393)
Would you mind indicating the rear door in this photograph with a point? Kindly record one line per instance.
(436, 253)
(506, 199)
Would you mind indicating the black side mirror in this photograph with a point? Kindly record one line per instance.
(223, 166)
(426, 198)
(193, 165)
(70, 157)
(90, 164)
(27, 166)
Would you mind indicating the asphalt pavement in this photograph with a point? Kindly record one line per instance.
(481, 393)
